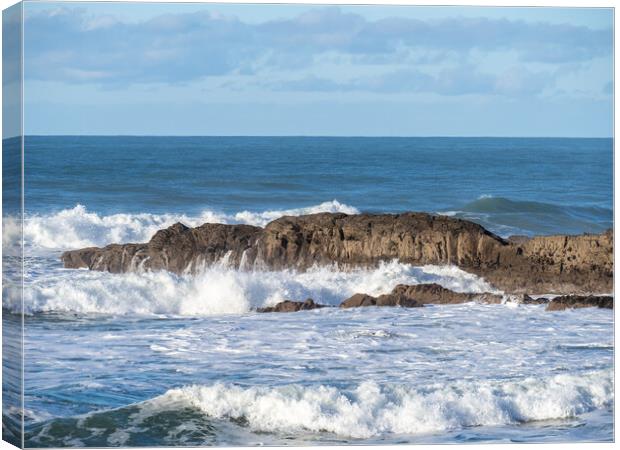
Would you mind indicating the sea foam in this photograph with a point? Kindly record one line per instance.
(77, 227)
(220, 289)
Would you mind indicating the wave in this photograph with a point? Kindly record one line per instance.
(507, 216)
(371, 409)
(77, 227)
(218, 289)
(364, 411)
(490, 204)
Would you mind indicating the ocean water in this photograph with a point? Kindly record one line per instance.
(162, 359)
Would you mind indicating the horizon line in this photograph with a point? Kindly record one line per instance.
(308, 136)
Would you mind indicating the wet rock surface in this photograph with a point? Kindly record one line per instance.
(418, 295)
(545, 264)
(580, 301)
(436, 294)
(291, 306)
(392, 299)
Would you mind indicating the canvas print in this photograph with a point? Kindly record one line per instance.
(297, 224)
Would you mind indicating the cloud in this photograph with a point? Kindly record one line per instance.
(72, 45)
(461, 80)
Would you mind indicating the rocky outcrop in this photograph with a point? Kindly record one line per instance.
(177, 248)
(291, 306)
(556, 264)
(580, 301)
(419, 295)
(550, 264)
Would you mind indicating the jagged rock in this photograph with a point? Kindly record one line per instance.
(580, 301)
(418, 295)
(549, 264)
(436, 294)
(291, 306)
(177, 248)
(524, 299)
(392, 299)
(357, 300)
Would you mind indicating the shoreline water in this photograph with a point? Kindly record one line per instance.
(148, 351)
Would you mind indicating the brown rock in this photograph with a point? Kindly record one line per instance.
(418, 295)
(580, 301)
(358, 300)
(550, 264)
(177, 248)
(436, 294)
(525, 299)
(391, 299)
(291, 306)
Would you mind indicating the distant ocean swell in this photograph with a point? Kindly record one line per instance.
(194, 413)
(505, 216)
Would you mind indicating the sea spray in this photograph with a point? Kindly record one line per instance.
(77, 227)
(222, 290)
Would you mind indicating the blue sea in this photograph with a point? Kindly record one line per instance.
(162, 359)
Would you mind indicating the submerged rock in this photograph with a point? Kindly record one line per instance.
(580, 301)
(291, 306)
(549, 264)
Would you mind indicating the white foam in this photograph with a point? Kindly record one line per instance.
(77, 227)
(220, 290)
(372, 410)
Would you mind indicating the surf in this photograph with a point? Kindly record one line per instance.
(196, 414)
(218, 289)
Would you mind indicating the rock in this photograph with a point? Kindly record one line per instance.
(418, 295)
(527, 300)
(518, 239)
(291, 306)
(549, 264)
(524, 299)
(436, 294)
(358, 300)
(580, 301)
(392, 299)
(555, 264)
(177, 249)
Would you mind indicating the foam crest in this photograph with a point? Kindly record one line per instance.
(372, 410)
(77, 227)
(221, 290)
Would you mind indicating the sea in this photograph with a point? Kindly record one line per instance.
(159, 359)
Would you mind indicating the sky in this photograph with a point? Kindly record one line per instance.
(222, 69)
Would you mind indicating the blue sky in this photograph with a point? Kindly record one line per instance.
(208, 69)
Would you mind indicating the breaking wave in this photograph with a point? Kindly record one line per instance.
(77, 227)
(219, 289)
(371, 409)
(365, 411)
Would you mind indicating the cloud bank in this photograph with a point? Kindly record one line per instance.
(445, 56)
